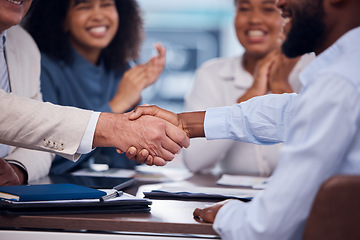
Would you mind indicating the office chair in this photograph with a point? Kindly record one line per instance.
(335, 213)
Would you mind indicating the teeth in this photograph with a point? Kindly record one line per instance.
(15, 2)
(287, 20)
(98, 29)
(256, 33)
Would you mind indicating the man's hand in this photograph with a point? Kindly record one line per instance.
(192, 123)
(160, 138)
(10, 174)
(156, 112)
(208, 214)
(144, 156)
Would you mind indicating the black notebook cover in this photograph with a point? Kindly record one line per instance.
(124, 204)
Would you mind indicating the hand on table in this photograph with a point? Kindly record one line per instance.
(10, 174)
(208, 214)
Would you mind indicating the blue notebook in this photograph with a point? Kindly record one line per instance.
(47, 192)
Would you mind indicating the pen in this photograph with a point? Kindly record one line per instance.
(111, 195)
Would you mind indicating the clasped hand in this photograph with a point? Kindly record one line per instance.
(144, 156)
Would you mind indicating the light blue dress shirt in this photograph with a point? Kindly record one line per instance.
(320, 131)
(4, 83)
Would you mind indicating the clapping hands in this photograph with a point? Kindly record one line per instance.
(271, 75)
(136, 79)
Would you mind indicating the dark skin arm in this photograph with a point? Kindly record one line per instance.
(208, 214)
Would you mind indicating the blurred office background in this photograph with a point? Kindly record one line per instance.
(193, 31)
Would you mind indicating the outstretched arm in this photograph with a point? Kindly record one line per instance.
(192, 123)
(161, 138)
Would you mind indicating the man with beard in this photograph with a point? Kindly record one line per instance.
(319, 126)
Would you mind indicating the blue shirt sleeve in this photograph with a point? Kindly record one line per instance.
(318, 141)
(261, 120)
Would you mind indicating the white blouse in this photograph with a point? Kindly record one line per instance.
(220, 82)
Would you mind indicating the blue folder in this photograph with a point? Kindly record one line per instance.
(47, 192)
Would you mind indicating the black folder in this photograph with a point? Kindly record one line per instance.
(123, 204)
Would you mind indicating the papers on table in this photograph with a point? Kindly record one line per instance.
(125, 203)
(184, 191)
(111, 172)
(142, 173)
(243, 181)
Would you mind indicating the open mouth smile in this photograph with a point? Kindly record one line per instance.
(15, 2)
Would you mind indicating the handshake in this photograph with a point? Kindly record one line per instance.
(149, 134)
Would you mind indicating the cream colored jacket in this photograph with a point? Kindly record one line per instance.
(28, 123)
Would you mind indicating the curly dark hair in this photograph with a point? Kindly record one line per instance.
(45, 19)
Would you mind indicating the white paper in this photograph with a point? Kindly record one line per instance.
(243, 181)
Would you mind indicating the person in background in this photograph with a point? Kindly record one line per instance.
(27, 122)
(86, 49)
(320, 126)
(226, 81)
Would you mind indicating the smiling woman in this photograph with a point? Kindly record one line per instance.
(260, 70)
(86, 49)
(91, 26)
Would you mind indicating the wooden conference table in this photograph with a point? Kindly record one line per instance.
(168, 218)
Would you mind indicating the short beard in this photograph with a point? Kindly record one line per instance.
(304, 35)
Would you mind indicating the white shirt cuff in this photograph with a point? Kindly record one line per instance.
(226, 218)
(87, 139)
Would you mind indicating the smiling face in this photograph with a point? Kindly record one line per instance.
(305, 25)
(12, 12)
(91, 24)
(258, 26)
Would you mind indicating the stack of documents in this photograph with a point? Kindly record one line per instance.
(189, 192)
(40, 202)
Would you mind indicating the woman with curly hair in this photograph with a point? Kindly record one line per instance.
(86, 47)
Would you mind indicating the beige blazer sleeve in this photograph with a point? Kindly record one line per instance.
(30, 123)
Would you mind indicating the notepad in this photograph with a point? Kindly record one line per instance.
(243, 181)
(46, 192)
